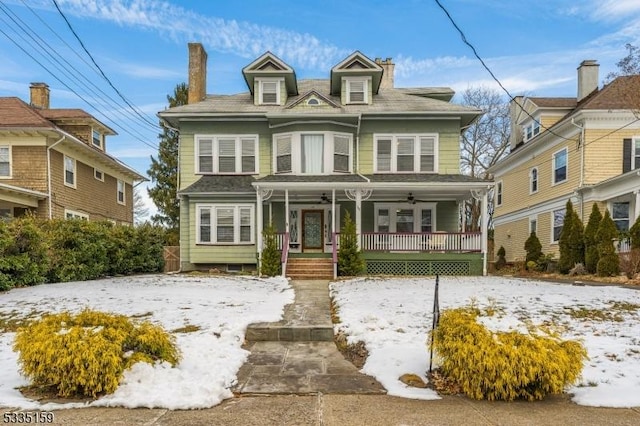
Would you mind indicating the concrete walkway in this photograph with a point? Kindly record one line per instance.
(297, 355)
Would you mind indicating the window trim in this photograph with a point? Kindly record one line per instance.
(10, 155)
(95, 172)
(366, 82)
(533, 219)
(416, 151)
(532, 180)
(124, 192)
(100, 139)
(212, 207)
(534, 126)
(75, 214)
(328, 154)
(215, 153)
(635, 145)
(499, 193)
(75, 171)
(261, 82)
(554, 168)
(552, 238)
(417, 210)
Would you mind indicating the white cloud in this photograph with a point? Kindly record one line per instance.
(141, 71)
(242, 38)
(614, 9)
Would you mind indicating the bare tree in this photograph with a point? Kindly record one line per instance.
(629, 65)
(140, 209)
(484, 143)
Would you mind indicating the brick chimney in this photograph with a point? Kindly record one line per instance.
(197, 73)
(587, 78)
(387, 72)
(39, 93)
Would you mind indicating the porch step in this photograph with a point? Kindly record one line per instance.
(310, 268)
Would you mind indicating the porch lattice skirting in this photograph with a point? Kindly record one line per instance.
(424, 267)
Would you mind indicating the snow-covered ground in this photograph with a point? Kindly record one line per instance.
(222, 307)
(393, 318)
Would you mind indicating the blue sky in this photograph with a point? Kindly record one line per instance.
(532, 46)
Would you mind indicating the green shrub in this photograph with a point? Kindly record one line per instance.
(534, 250)
(571, 243)
(503, 365)
(634, 234)
(501, 262)
(350, 260)
(590, 242)
(271, 262)
(86, 354)
(23, 253)
(608, 262)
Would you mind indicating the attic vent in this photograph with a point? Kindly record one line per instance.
(313, 101)
(269, 65)
(356, 64)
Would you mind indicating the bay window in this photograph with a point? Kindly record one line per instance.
(405, 153)
(233, 154)
(225, 223)
(312, 153)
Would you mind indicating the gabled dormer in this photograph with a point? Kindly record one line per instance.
(356, 79)
(271, 81)
(313, 100)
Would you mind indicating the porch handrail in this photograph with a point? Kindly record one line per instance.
(285, 253)
(422, 241)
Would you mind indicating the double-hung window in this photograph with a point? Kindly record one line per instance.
(406, 153)
(620, 215)
(225, 224)
(120, 198)
(400, 218)
(558, 223)
(499, 193)
(560, 166)
(5, 161)
(532, 130)
(636, 154)
(533, 180)
(69, 171)
(357, 89)
(312, 153)
(96, 138)
(235, 154)
(269, 91)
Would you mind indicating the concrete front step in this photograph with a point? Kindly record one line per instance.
(277, 333)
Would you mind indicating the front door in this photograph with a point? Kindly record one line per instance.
(312, 230)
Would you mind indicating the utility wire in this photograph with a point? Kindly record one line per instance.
(100, 69)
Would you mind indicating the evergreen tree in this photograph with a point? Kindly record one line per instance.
(634, 234)
(590, 242)
(270, 264)
(565, 262)
(502, 260)
(576, 240)
(533, 248)
(609, 262)
(164, 173)
(350, 260)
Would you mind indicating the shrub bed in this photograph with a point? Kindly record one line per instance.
(504, 365)
(86, 354)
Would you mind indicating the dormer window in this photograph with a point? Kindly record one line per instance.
(97, 139)
(269, 91)
(357, 90)
(531, 130)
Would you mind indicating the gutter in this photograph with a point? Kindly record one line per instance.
(64, 136)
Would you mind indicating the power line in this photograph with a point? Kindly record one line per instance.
(100, 69)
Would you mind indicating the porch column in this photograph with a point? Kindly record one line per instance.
(485, 227)
(359, 217)
(259, 225)
(333, 212)
(637, 209)
(463, 215)
(286, 211)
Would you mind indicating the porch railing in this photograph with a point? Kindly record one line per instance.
(623, 245)
(444, 242)
(284, 246)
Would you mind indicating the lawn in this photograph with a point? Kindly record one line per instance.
(393, 317)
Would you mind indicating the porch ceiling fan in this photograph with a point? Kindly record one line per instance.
(412, 200)
(324, 199)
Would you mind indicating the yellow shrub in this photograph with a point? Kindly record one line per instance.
(86, 354)
(504, 365)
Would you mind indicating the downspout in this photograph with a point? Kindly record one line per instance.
(581, 184)
(49, 173)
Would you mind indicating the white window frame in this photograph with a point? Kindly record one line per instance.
(532, 180)
(74, 171)
(75, 215)
(215, 153)
(100, 138)
(348, 81)
(9, 158)
(95, 174)
(499, 193)
(617, 219)
(120, 183)
(261, 82)
(531, 130)
(417, 151)
(552, 237)
(236, 223)
(532, 220)
(417, 208)
(328, 154)
(635, 159)
(554, 156)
